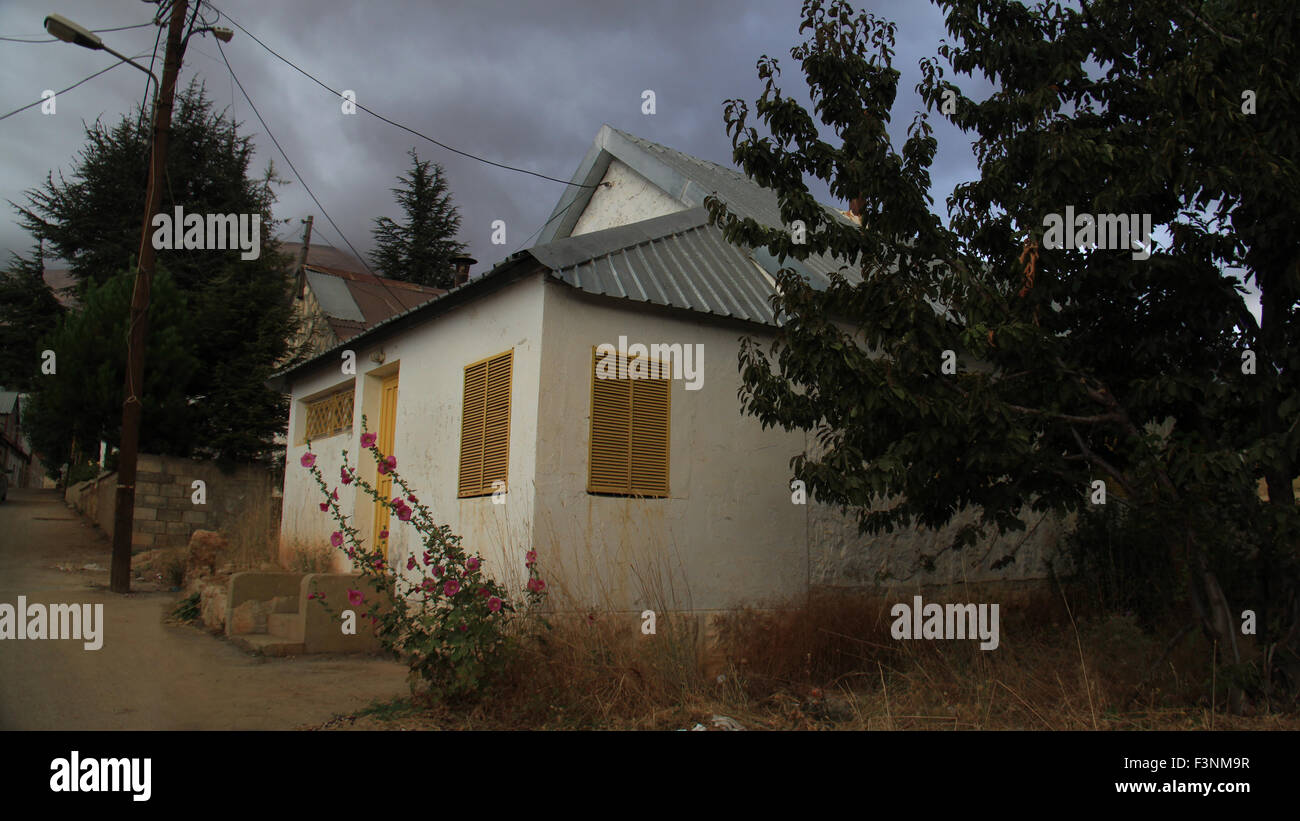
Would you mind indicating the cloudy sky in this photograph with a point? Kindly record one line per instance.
(523, 83)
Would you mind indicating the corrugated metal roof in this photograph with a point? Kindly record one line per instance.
(333, 295)
(8, 401)
(677, 260)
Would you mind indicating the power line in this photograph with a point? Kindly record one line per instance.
(66, 90)
(290, 63)
(399, 306)
(23, 38)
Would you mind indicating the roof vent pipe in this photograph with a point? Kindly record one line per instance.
(462, 265)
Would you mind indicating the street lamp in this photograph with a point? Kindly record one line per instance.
(70, 32)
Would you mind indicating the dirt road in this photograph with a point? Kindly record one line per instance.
(147, 675)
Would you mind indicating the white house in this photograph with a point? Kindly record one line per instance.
(635, 492)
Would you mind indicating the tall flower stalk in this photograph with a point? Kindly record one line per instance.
(442, 614)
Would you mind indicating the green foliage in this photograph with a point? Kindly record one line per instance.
(1074, 365)
(187, 609)
(82, 402)
(420, 250)
(27, 305)
(240, 318)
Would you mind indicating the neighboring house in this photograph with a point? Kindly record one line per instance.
(334, 301)
(15, 455)
(636, 493)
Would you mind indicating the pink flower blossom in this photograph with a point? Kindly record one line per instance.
(412, 499)
(451, 588)
(428, 557)
(464, 627)
(345, 476)
(536, 585)
(335, 494)
(410, 563)
(389, 463)
(324, 506)
(355, 597)
(483, 591)
(378, 563)
(437, 570)
(404, 514)
(315, 596)
(427, 584)
(472, 564)
(308, 459)
(494, 604)
(351, 552)
(383, 534)
(336, 538)
(368, 440)
(531, 557)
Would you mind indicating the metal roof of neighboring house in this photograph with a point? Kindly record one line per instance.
(677, 260)
(353, 302)
(319, 253)
(8, 401)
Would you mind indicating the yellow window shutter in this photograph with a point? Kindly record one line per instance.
(629, 435)
(485, 428)
(471, 429)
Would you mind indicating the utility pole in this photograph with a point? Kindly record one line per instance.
(124, 518)
(302, 263)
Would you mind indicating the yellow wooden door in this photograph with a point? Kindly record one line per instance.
(387, 422)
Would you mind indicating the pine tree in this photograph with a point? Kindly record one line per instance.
(240, 317)
(421, 249)
(27, 305)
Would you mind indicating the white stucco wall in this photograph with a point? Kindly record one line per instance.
(728, 534)
(628, 198)
(430, 360)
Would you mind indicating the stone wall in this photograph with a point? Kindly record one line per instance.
(841, 557)
(247, 497)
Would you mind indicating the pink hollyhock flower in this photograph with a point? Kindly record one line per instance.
(437, 570)
(472, 564)
(336, 538)
(482, 591)
(355, 598)
(335, 494)
(531, 557)
(324, 506)
(404, 514)
(314, 596)
(494, 604)
(389, 463)
(368, 440)
(451, 588)
(383, 534)
(351, 553)
(378, 563)
(428, 557)
(412, 499)
(536, 585)
(410, 563)
(308, 459)
(464, 628)
(345, 476)
(427, 584)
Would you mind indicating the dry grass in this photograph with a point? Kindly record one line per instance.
(253, 536)
(304, 557)
(828, 661)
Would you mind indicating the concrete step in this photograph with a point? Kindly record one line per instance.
(267, 645)
(286, 626)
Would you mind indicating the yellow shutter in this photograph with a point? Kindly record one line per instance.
(485, 427)
(629, 435)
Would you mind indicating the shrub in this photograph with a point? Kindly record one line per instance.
(450, 626)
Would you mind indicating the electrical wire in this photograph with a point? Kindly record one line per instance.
(66, 90)
(419, 134)
(398, 303)
(22, 38)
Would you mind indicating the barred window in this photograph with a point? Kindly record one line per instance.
(329, 415)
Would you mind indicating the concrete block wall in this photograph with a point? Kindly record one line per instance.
(165, 512)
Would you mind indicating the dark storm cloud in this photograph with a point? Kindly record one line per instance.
(522, 83)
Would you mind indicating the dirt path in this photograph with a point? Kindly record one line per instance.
(147, 675)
